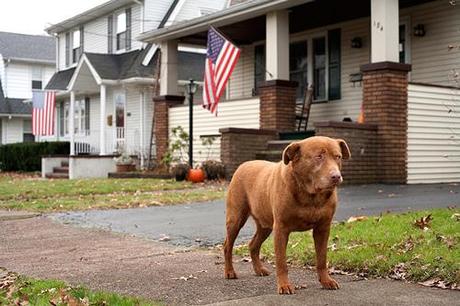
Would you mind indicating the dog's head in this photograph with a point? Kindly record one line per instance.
(316, 162)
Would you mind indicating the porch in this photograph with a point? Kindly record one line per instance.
(359, 59)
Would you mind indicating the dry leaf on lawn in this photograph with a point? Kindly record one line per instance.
(356, 218)
(424, 222)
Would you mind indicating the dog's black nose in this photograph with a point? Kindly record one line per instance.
(336, 177)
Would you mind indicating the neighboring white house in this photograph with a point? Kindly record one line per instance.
(27, 62)
(105, 76)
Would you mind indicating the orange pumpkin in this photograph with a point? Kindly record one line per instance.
(196, 175)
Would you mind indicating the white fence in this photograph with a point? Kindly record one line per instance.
(238, 113)
(433, 134)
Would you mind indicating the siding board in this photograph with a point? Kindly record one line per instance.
(433, 135)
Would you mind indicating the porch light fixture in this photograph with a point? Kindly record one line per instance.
(356, 43)
(419, 30)
(191, 90)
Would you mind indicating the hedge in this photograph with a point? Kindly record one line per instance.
(27, 156)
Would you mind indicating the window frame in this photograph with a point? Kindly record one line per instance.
(37, 70)
(80, 121)
(76, 50)
(27, 135)
(309, 39)
(120, 36)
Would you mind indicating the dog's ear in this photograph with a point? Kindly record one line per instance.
(344, 147)
(291, 152)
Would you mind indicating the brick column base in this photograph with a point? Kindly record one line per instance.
(277, 105)
(362, 168)
(239, 145)
(161, 105)
(385, 104)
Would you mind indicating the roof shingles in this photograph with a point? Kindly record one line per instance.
(27, 47)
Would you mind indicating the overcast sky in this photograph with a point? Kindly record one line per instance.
(33, 16)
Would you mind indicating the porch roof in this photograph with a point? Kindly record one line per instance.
(245, 23)
(117, 67)
(11, 107)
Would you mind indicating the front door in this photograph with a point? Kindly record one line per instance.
(120, 119)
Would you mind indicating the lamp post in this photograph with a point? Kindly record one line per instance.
(191, 89)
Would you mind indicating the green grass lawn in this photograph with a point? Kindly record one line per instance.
(39, 195)
(389, 245)
(18, 290)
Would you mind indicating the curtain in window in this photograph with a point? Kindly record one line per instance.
(68, 52)
(298, 66)
(87, 111)
(259, 67)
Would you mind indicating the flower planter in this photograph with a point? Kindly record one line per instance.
(126, 168)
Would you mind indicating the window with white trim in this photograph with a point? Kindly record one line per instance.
(121, 31)
(80, 117)
(76, 44)
(37, 78)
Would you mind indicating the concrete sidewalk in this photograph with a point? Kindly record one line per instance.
(41, 248)
(202, 224)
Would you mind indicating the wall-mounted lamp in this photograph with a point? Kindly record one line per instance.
(419, 30)
(356, 43)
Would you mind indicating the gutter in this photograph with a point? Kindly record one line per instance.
(31, 60)
(224, 17)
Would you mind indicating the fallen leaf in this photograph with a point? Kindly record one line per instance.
(456, 217)
(358, 218)
(164, 238)
(246, 259)
(399, 272)
(424, 222)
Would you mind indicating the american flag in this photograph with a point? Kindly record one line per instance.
(221, 59)
(43, 113)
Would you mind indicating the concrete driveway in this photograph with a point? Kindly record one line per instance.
(203, 223)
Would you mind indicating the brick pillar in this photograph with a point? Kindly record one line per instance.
(385, 104)
(161, 105)
(277, 105)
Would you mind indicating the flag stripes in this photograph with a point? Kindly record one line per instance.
(221, 59)
(43, 113)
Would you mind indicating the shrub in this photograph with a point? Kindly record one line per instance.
(214, 169)
(27, 156)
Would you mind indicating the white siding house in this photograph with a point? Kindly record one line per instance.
(22, 69)
(106, 76)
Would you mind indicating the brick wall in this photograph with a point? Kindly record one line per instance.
(161, 105)
(240, 145)
(362, 168)
(385, 104)
(277, 105)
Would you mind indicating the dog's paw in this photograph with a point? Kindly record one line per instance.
(262, 271)
(329, 284)
(286, 288)
(230, 274)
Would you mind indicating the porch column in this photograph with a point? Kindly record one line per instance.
(385, 82)
(169, 62)
(72, 123)
(384, 31)
(277, 93)
(277, 58)
(102, 144)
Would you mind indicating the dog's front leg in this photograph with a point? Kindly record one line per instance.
(281, 237)
(321, 237)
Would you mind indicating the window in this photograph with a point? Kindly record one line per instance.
(121, 31)
(27, 131)
(37, 78)
(81, 117)
(317, 60)
(67, 49)
(259, 67)
(298, 66)
(76, 44)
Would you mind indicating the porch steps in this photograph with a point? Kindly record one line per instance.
(61, 172)
(274, 150)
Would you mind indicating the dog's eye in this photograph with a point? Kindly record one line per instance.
(319, 157)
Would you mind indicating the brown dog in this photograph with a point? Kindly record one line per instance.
(297, 194)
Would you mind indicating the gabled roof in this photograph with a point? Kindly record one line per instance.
(117, 67)
(31, 48)
(91, 14)
(13, 106)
